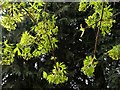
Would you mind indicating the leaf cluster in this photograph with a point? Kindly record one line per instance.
(58, 74)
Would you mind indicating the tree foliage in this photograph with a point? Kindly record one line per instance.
(60, 45)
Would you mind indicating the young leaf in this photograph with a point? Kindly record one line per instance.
(44, 74)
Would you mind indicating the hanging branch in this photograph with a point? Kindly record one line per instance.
(97, 35)
(49, 37)
(29, 14)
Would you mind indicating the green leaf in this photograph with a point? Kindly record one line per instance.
(89, 66)
(114, 53)
(17, 50)
(58, 74)
(44, 74)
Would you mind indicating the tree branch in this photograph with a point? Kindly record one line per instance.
(29, 14)
(49, 38)
(97, 35)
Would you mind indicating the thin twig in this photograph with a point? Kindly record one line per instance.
(29, 14)
(115, 14)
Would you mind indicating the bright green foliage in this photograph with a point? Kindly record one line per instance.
(43, 41)
(45, 30)
(17, 11)
(101, 19)
(44, 35)
(89, 66)
(8, 54)
(25, 45)
(95, 19)
(9, 23)
(114, 53)
(34, 10)
(12, 17)
(26, 39)
(58, 74)
(83, 6)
